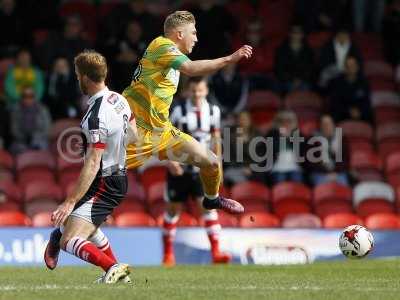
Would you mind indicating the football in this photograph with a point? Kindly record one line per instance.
(356, 241)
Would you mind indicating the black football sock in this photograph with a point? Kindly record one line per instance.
(211, 203)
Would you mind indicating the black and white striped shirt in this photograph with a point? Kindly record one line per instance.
(104, 126)
(198, 121)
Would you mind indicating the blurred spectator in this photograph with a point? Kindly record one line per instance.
(238, 169)
(4, 125)
(114, 25)
(23, 74)
(350, 94)
(11, 28)
(368, 10)
(68, 44)
(215, 26)
(288, 148)
(391, 32)
(126, 55)
(321, 15)
(63, 91)
(258, 64)
(230, 89)
(261, 63)
(294, 62)
(333, 56)
(328, 168)
(30, 123)
(3, 197)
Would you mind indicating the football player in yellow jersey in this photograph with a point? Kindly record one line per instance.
(150, 96)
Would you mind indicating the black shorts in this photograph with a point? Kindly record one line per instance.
(179, 188)
(103, 196)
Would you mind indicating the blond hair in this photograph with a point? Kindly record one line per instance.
(178, 18)
(92, 64)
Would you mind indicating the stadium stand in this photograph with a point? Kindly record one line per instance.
(33, 182)
(382, 221)
(341, 220)
(258, 219)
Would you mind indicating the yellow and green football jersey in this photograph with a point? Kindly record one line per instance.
(154, 83)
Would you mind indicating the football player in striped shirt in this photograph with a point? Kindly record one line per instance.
(201, 119)
(150, 95)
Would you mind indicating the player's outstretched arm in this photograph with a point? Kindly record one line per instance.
(86, 177)
(205, 67)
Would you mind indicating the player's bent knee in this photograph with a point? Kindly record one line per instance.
(212, 161)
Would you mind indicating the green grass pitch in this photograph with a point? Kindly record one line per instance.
(364, 279)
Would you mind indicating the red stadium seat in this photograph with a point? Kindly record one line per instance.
(42, 219)
(250, 192)
(263, 106)
(262, 99)
(382, 221)
(156, 192)
(6, 175)
(65, 137)
(68, 178)
(61, 126)
(341, 220)
(227, 220)
(35, 160)
(301, 221)
(357, 131)
(39, 175)
(394, 180)
(386, 115)
(300, 100)
(14, 218)
(372, 206)
(379, 84)
(134, 219)
(185, 220)
(355, 146)
(308, 127)
(261, 219)
(34, 208)
(256, 207)
(135, 190)
(366, 166)
(42, 190)
(326, 208)
(379, 69)
(373, 197)
(291, 198)
(392, 165)
(332, 198)
(11, 190)
(6, 160)
(388, 132)
(151, 176)
(387, 148)
(69, 163)
(10, 206)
